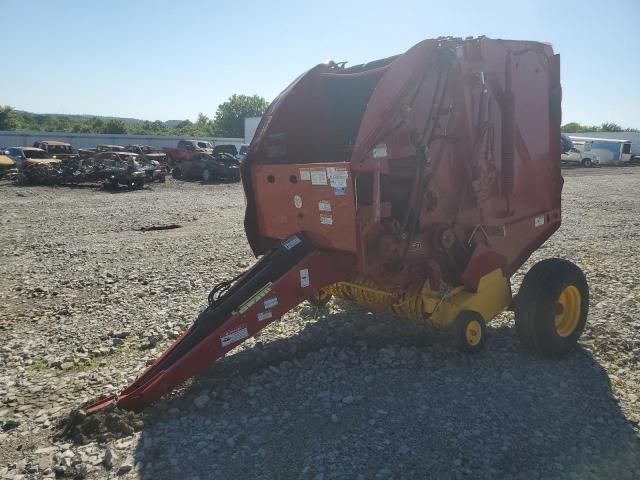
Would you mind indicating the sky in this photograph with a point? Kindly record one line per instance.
(173, 59)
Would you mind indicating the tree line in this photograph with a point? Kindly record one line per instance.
(574, 127)
(227, 122)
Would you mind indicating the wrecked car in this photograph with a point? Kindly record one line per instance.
(226, 148)
(35, 165)
(56, 149)
(222, 166)
(186, 150)
(90, 152)
(86, 152)
(7, 165)
(150, 153)
(126, 169)
(110, 148)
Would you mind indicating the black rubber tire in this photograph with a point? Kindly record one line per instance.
(586, 162)
(176, 173)
(459, 332)
(535, 306)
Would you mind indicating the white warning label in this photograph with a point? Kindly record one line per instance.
(271, 302)
(326, 219)
(324, 206)
(304, 278)
(289, 243)
(380, 151)
(305, 175)
(234, 336)
(265, 315)
(318, 176)
(539, 221)
(337, 177)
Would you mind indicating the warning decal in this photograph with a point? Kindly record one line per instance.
(318, 176)
(271, 302)
(326, 219)
(338, 177)
(234, 336)
(380, 151)
(304, 278)
(289, 243)
(305, 175)
(324, 206)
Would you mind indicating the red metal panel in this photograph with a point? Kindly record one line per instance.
(315, 198)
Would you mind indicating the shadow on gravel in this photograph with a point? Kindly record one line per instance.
(124, 189)
(215, 181)
(363, 395)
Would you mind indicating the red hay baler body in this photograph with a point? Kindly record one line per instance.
(416, 184)
(447, 161)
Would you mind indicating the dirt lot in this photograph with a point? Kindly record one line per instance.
(87, 299)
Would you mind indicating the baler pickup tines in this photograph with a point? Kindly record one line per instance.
(279, 281)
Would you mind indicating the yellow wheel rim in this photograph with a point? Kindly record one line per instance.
(473, 333)
(568, 311)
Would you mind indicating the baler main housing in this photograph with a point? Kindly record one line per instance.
(431, 170)
(416, 184)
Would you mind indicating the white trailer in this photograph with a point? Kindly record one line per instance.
(602, 151)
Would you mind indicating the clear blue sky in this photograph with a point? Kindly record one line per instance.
(172, 59)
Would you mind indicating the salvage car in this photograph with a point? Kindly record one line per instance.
(186, 150)
(244, 148)
(7, 165)
(90, 152)
(151, 154)
(86, 152)
(127, 169)
(35, 165)
(205, 167)
(56, 149)
(28, 156)
(226, 148)
(110, 148)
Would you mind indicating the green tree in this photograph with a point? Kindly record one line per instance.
(610, 127)
(8, 118)
(229, 119)
(114, 126)
(574, 127)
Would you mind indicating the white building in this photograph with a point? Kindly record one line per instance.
(88, 140)
(250, 127)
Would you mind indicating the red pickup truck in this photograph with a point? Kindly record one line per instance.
(186, 150)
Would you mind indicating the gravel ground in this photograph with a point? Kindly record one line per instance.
(88, 298)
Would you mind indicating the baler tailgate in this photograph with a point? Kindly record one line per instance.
(279, 281)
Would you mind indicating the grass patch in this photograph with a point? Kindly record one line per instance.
(37, 366)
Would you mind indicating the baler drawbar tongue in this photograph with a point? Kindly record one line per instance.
(280, 280)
